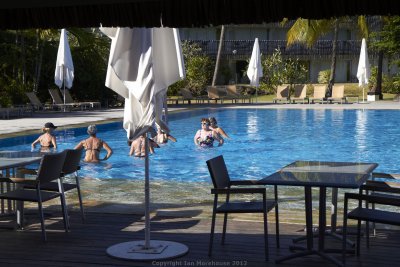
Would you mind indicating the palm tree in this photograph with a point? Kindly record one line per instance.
(309, 31)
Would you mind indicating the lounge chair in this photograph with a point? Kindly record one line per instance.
(49, 170)
(35, 102)
(300, 93)
(70, 100)
(222, 186)
(319, 93)
(218, 93)
(337, 94)
(282, 94)
(232, 92)
(188, 96)
(58, 101)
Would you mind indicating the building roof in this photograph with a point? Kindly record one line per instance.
(23, 14)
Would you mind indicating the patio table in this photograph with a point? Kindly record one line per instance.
(322, 175)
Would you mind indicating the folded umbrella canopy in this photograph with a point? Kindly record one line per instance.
(142, 64)
(255, 70)
(64, 73)
(363, 70)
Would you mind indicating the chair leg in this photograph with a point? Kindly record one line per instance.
(78, 187)
(40, 209)
(265, 227)
(344, 233)
(358, 237)
(278, 243)
(224, 228)
(65, 213)
(212, 233)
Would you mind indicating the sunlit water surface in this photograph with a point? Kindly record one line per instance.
(262, 141)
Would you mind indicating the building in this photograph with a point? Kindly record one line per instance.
(238, 43)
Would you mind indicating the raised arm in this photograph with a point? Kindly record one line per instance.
(54, 141)
(218, 138)
(223, 133)
(79, 145)
(108, 149)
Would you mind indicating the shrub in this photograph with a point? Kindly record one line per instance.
(323, 76)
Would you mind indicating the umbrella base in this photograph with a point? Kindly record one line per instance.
(159, 250)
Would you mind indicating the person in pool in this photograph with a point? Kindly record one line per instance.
(214, 126)
(205, 137)
(138, 146)
(93, 145)
(47, 140)
(163, 137)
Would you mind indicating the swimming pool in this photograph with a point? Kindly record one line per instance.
(262, 141)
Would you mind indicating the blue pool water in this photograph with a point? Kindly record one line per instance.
(262, 141)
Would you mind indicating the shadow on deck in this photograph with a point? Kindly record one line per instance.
(86, 244)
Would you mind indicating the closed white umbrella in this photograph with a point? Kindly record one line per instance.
(142, 64)
(364, 69)
(64, 74)
(255, 70)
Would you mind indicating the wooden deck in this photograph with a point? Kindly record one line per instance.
(86, 244)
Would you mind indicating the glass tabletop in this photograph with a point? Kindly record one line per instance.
(327, 166)
(321, 174)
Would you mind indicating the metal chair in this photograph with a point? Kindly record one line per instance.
(71, 166)
(369, 213)
(49, 170)
(222, 185)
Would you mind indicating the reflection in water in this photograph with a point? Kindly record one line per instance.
(361, 131)
(252, 127)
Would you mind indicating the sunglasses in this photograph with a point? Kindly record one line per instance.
(205, 123)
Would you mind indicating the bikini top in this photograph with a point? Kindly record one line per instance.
(93, 144)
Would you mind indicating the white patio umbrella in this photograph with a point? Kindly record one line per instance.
(64, 74)
(255, 70)
(142, 64)
(363, 70)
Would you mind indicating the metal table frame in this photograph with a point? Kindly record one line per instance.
(322, 175)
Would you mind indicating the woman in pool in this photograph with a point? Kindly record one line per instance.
(138, 146)
(205, 137)
(162, 137)
(47, 140)
(93, 146)
(218, 130)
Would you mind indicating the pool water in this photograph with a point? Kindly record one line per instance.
(262, 141)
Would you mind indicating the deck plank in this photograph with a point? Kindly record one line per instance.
(86, 244)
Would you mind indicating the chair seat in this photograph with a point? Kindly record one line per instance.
(28, 195)
(245, 207)
(379, 216)
(53, 186)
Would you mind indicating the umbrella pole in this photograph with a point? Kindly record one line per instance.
(256, 94)
(64, 85)
(147, 194)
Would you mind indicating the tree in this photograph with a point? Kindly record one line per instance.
(309, 31)
(198, 68)
(278, 71)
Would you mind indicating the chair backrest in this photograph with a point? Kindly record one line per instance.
(68, 97)
(338, 91)
(56, 96)
(300, 90)
(34, 99)
(231, 90)
(50, 167)
(319, 91)
(212, 92)
(186, 93)
(282, 91)
(218, 172)
(72, 160)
